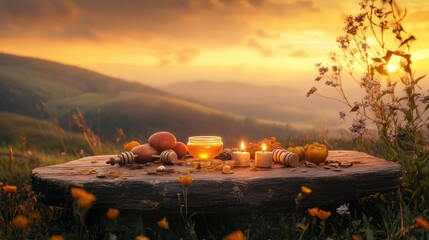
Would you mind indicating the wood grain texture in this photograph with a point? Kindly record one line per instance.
(212, 191)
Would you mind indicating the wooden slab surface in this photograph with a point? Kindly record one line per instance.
(246, 189)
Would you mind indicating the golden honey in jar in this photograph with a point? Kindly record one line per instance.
(205, 147)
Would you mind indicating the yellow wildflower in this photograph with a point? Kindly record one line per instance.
(84, 199)
(163, 223)
(421, 222)
(131, 145)
(313, 211)
(112, 213)
(20, 222)
(141, 237)
(306, 190)
(9, 189)
(237, 235)
(186, 180)
(56, 237)
(323, 215)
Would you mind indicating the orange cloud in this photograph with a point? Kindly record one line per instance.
(264, 34)
(186, 55)
(300, 53)
(252, 43)
(215, 23)
(42, 19)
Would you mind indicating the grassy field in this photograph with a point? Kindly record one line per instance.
(22, 217)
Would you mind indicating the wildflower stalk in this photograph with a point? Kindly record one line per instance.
(401, 209)
(11, 158)
(393, 102)
(185, 197)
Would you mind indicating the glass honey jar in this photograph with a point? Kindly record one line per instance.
(205, 147)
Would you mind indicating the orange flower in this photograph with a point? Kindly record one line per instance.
(56, 237)
(11, 153)
(77, 192)
(356, 237)
(323, 215)
(306, 190)
(1, 184)
(186, 180)
(112, 213)
(84, 199)
(141, 237)
(9, 189)
(163, 223)
(20, 222)
(421, 222)
(237, 235)
(35, 217)
(313, 211)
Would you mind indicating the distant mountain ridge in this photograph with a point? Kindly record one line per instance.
(109, 103)
(26, 81)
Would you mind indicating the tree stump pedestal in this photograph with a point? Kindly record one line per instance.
(247, 189)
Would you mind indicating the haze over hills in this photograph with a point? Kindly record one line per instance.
(109, 103)
(273, 103)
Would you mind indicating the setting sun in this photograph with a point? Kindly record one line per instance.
(392, 68)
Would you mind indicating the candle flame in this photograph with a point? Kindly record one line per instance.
(264, 147)
(242, 146)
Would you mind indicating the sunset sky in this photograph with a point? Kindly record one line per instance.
(163, 41)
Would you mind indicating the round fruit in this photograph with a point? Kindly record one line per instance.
(144, 153)
(180, 149)
(162, 141)
(316, 153)
(131, 145)
(298, 151)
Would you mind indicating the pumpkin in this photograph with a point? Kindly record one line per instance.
(316, 153)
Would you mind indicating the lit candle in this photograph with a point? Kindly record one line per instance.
(263, 158)
(241, 158)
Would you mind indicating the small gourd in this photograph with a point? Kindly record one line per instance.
(316, 153)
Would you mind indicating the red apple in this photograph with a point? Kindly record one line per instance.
(180, 149)
(162, 141)
(144, 153)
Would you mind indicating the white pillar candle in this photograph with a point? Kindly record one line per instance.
(241, 158)
(263, 158)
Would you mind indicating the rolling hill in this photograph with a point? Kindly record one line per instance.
(40, 134)
(109, 103)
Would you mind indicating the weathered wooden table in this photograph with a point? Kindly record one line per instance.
(245, 190)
